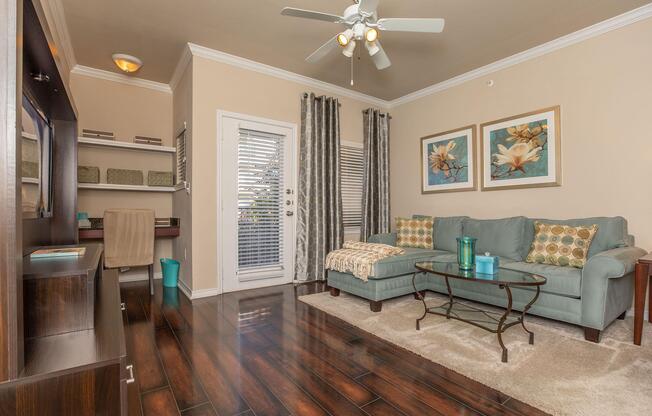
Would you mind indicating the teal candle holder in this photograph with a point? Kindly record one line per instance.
(466, 252)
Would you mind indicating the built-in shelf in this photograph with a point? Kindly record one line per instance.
(30, 180)
(29, 136)
(114, 187)
(125, 145)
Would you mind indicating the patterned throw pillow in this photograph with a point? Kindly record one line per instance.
(561, 245)
(414, 232)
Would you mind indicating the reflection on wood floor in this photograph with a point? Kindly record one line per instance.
(263, 352)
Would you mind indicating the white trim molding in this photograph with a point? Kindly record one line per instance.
(186, 58)
(597, 29)
(225, 58)
(53, 13)
(121, 78)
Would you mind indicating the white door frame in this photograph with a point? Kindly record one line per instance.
(221, 115)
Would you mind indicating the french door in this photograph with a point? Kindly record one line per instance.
(257, 204)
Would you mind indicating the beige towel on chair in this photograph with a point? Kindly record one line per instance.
(128, 237)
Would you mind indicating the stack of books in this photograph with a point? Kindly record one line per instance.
(162, 222)
(148, 140)
(58, 252)
(98, 134)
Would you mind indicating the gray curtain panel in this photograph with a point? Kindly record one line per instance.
(319, 198)
(375, 188)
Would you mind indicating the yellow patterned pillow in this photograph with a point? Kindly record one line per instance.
(561, 245)
(414, 232)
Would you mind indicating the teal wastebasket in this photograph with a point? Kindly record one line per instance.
(170, 269)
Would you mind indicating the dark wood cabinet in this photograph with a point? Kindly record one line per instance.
(77, 372)
(59, 293)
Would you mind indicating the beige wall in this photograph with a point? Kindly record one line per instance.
(127, 111)
(603, 86)
(181, 200)
(218, 86)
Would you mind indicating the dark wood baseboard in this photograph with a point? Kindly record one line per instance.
(592, 334)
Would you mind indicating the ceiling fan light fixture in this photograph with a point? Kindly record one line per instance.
(345, 37)
(348, 50)
(372, 48)
(371, 34)
(127, 63)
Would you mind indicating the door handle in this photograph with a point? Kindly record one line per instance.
(123, 306)
(131, 378)
(289, 213)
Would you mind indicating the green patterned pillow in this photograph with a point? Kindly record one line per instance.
(561, 245)
(414, 232)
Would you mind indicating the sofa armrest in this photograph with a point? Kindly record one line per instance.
(613, 263)
(605, 293)
(385, 238)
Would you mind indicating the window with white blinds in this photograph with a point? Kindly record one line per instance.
(260, 200)
(352, 166)
(181, 157)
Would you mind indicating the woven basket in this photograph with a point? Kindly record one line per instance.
(124, 176)
(88, 174)
(29, 169)
(156, 178)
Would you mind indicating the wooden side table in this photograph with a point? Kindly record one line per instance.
(643, 266)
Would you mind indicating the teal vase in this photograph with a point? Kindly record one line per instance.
(466, 252)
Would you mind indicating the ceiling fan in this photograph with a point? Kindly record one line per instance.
(362, 24)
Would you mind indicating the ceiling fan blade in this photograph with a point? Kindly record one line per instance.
(323, 50)
(309, 14)
(381, 60)
(367, 6)
(412, 25)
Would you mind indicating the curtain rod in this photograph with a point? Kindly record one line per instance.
(380, 114)
(305, 94)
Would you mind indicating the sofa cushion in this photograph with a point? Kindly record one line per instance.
(565, 281)
(402, 264)
(612, 232)
(561, 245)
(446, 230)
(502, 237)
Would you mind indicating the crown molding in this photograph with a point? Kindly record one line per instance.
(186, 57)
(123, 79)
(226, 58)
(617, 22)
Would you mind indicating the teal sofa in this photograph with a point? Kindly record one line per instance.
(591, 297)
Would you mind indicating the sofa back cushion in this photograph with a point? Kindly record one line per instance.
(501, 237)
(447, 229)
(612, 232)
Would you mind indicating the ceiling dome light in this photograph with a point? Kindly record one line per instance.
(371, 34)
(127, 63)
(372, 47)
(345, 37)
(348, 50)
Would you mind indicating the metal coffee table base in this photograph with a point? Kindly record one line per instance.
(490, 321)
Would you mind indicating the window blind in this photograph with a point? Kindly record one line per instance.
(352, 166)
(260, 200)
(181, 157)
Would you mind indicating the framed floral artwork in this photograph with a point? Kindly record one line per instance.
(523, 151)
(448, 161)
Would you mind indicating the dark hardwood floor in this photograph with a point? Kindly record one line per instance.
(263, 352)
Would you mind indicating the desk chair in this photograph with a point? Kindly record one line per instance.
(129, 240)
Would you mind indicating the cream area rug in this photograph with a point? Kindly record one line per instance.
(561, 373)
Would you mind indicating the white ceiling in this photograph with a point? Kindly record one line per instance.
(477, 33)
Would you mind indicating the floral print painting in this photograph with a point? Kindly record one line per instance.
(448, 161)
(521, 151)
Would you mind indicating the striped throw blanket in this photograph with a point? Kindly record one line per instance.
(359, 258)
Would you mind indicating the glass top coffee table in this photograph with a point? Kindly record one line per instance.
(485, 319)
